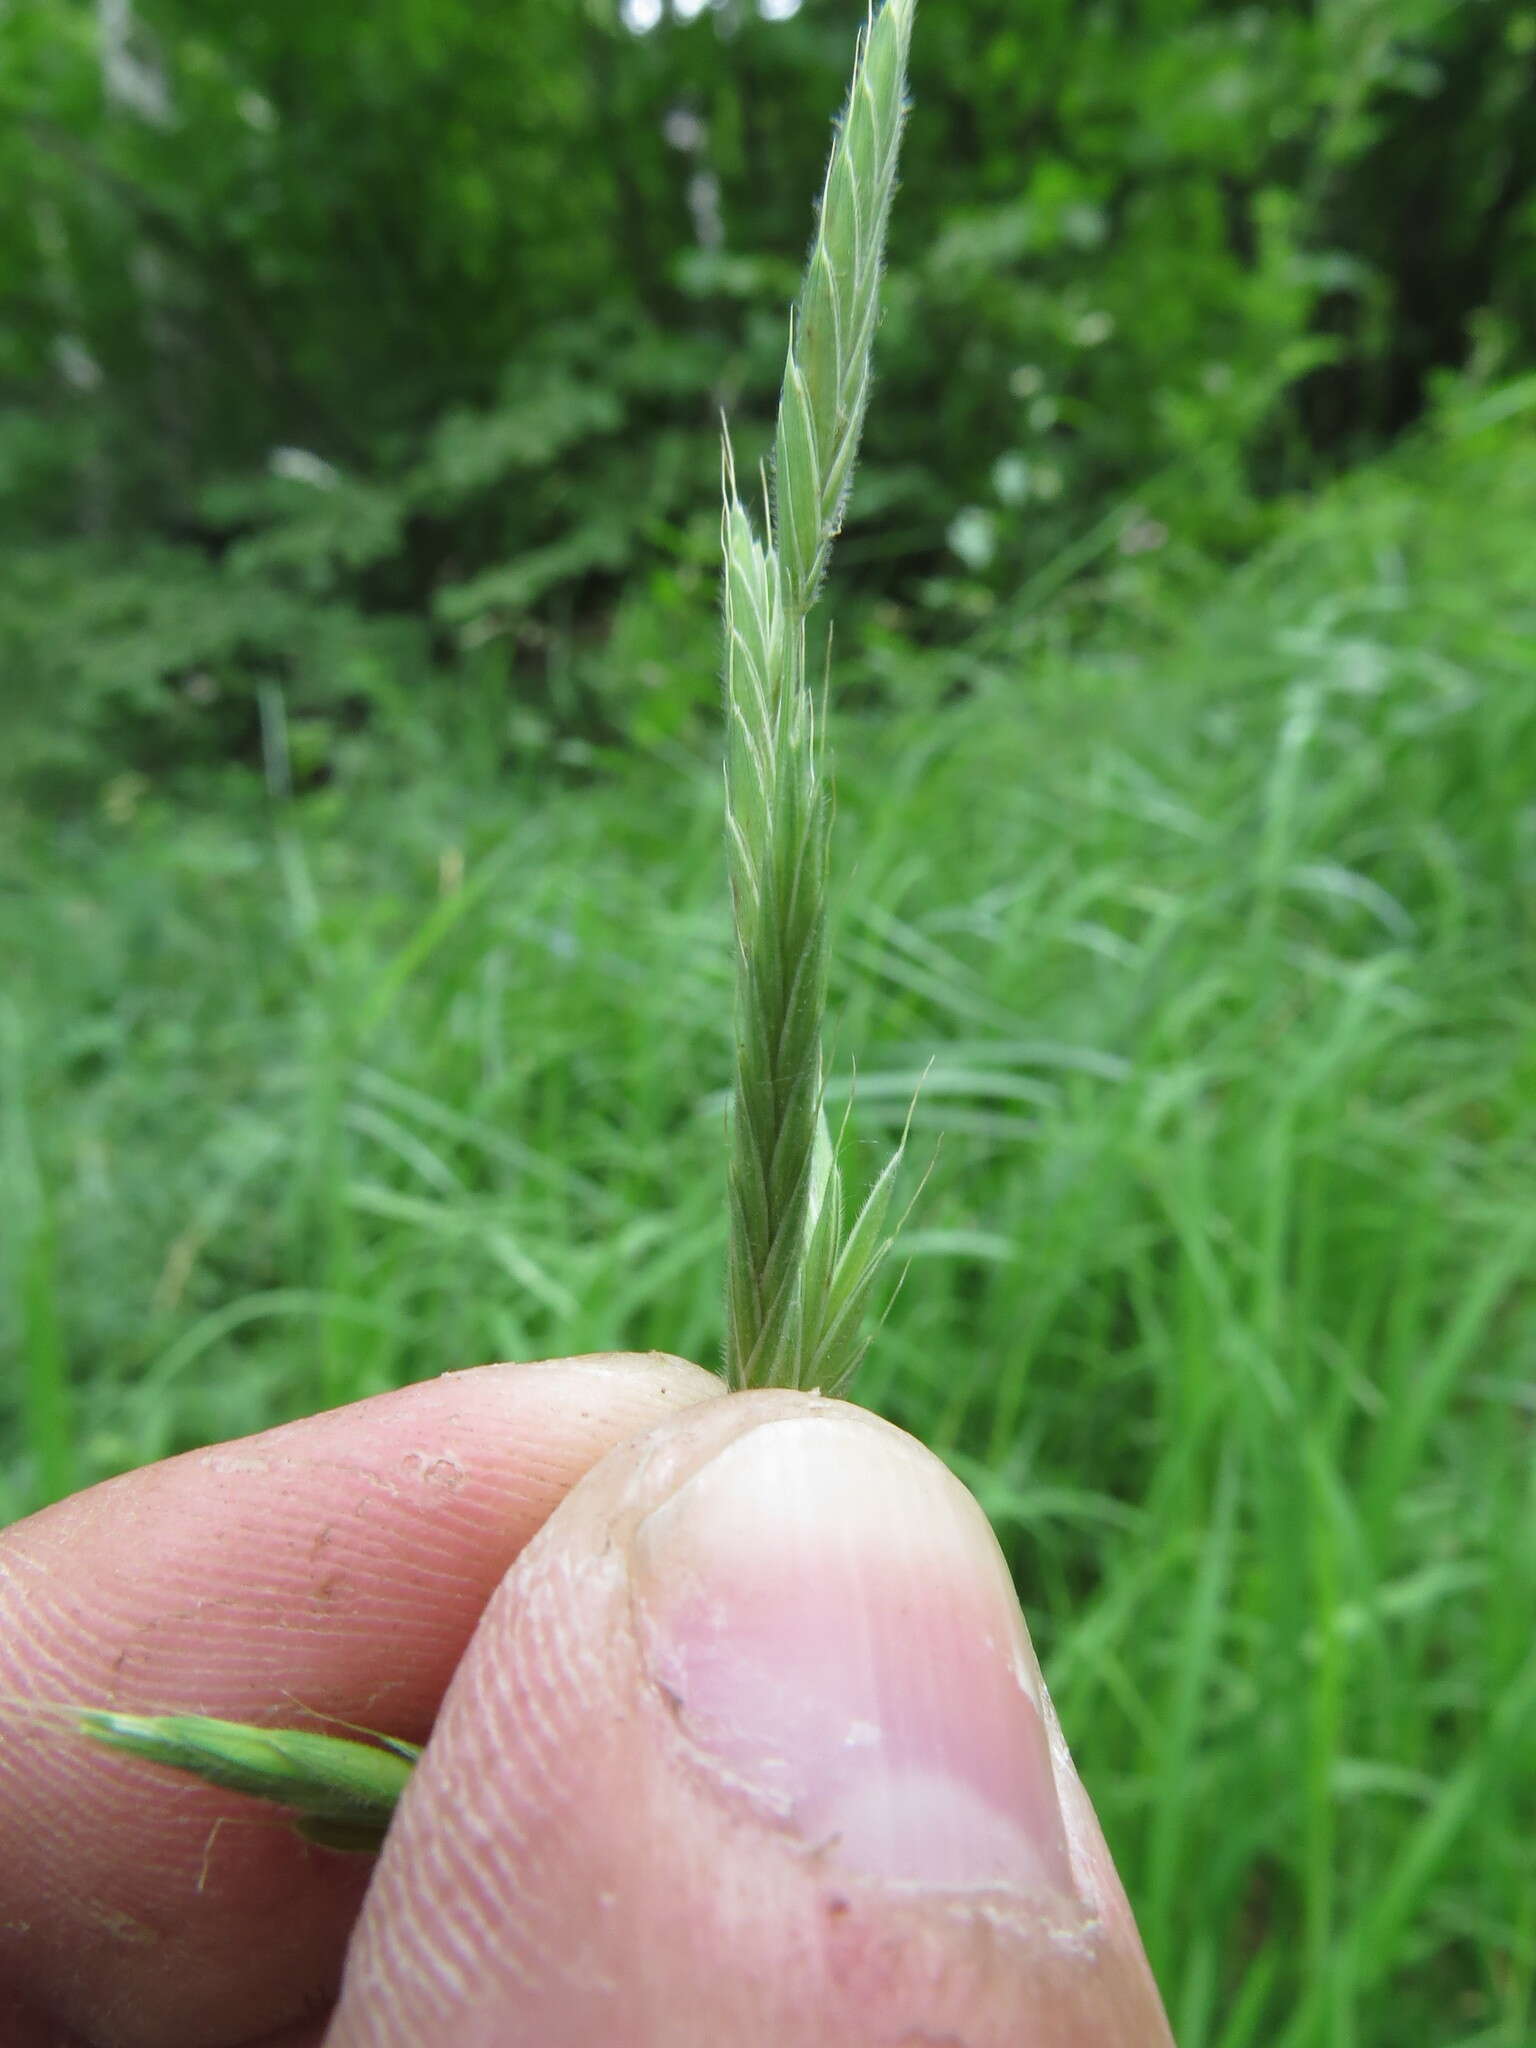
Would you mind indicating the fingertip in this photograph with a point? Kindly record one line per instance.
(751, 1746)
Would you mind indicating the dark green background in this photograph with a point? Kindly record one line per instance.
(340, 343)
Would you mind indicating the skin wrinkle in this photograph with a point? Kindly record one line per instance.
(496, 1856)
(504, 1858)
(291, 1579)
(491, 1859)
(547, 1720)
(450, 1960)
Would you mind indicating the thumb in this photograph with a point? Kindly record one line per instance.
(751, 1746)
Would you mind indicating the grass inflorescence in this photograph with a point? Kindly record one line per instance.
(799, 1274)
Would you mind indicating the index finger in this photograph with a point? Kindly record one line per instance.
(336, 1566)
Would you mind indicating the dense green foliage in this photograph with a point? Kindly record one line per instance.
(404, 331)
(1217, 932)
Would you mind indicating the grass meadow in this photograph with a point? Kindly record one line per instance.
(1208, 912)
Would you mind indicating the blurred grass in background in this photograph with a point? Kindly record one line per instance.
(1215, 941)
(364, 1006)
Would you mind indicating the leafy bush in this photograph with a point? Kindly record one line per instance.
(427, 316)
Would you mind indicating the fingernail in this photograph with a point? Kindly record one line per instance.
(827, 1611)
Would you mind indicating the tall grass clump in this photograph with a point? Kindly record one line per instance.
(798, 1276)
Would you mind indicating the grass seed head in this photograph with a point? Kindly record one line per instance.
(343, 1791)
(797, 1281)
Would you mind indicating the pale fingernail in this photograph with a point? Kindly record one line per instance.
(830, 1615)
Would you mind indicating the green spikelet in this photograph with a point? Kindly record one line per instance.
(342, 1792)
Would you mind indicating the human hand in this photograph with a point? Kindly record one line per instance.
(745, 1741)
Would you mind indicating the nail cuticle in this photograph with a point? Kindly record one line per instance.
(826, 1615)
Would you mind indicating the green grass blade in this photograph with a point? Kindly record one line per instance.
(31, 1267)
